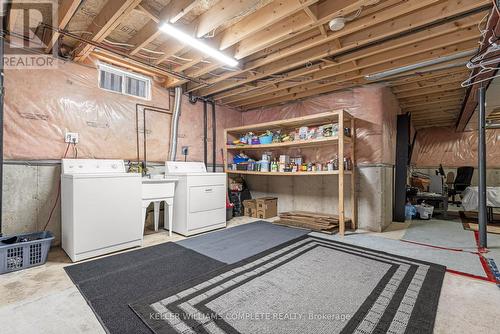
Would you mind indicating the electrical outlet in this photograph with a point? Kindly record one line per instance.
(185, 150)
(71, 137)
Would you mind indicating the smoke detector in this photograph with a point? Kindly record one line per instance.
(337, 23)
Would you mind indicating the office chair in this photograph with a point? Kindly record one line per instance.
(462, 181)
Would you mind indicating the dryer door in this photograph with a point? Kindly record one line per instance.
(205, 198)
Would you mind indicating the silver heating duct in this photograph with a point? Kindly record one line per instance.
(175, 124)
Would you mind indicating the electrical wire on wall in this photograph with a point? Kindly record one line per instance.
(75, 155)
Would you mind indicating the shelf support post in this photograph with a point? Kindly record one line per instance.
(354, 202)
(341, 173)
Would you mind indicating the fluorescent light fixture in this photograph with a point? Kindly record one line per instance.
(197, 44)
(381, 75)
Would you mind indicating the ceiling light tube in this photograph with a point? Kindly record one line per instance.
(197, 44)
(381, 75)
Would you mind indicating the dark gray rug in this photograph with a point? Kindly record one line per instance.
(307, 285)
(240, 242)
(109, 284)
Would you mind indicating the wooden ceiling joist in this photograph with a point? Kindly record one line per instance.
(440, 88)
(399, 47)
(65, 11)
(394, 20)
(428, 104)
(368, 64)
(286, 52)
(360, 72)
(113, 13)
(173, 12)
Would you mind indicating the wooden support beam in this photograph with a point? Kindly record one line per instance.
(207, 22)
(428, 75)
(370, 65)
(320, 88)
(261, 19)
(433, 96)
(423, 85)
(148, 11)
(65, 11)
(457, 98)
(395, 20)
(395, 49)
(173, 12)
(220, 13)
(133, 65)
(441, 88)
(103, 24)
(455, 105)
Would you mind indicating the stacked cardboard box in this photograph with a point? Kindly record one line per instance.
(250, 208)
(264, 207)
(267, 207)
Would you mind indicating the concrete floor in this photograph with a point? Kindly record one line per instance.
(44, 300)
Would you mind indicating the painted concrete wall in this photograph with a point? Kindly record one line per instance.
(29, 194)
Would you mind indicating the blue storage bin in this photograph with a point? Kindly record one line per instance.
(239, 160)
(266, 139)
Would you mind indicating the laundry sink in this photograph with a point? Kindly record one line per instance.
(158, 190)
(153, 188)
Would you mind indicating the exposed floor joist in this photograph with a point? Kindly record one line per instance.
(286, 51)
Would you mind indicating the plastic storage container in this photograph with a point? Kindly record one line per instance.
(266, 139)
(24, 254)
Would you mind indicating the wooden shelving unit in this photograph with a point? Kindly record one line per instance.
(335, 172)
(342, 117)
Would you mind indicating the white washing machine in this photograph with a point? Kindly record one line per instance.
(101, 207)
(200, 198)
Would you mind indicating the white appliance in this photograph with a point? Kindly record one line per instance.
(200, 197)
(101, 207)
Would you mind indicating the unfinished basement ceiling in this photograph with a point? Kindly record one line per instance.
(287, 52)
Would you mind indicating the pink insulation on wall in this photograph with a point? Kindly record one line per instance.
(374, 106)
(442, 145)
(39, 112)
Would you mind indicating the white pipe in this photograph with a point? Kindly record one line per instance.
(175, 124)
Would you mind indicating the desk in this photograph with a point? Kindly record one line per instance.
(439, 201)
(157, 191)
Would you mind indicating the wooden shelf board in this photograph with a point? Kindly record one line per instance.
(297, 143)
(315, 119)
(246, 172)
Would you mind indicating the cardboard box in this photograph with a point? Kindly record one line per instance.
(250, 208)
(267, 207)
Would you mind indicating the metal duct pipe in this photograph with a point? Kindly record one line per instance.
(214, 137)
(174, 128)
(388, 73)
(205, 132)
